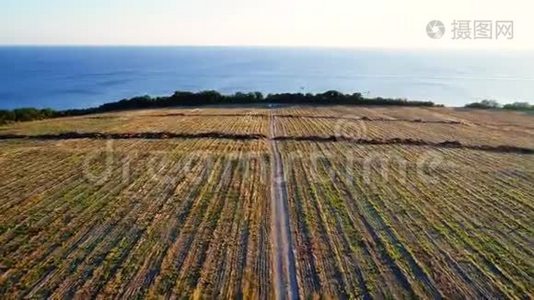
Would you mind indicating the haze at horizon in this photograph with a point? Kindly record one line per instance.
(336, 23)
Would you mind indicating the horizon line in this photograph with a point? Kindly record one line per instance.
(334, 47)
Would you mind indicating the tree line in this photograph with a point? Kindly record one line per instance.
(493, 104)
(206, 98)
(26, 114)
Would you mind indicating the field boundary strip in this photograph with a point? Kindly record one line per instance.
(220, 135)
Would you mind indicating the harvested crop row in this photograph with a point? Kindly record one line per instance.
(82, 124)
(124, 123)
(360, 129)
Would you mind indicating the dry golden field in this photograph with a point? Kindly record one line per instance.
(257, 202)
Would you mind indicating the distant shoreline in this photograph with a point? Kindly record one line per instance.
(214, 98)
(204, 98)
(80, 77)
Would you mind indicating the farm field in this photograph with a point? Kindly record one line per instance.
(269, 206)
(149, 218)
(378, 226)
(431, 124)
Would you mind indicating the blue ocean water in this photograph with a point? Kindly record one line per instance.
(75, 77)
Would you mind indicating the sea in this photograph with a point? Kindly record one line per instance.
(79, 77)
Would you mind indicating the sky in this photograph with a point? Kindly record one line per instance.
(326, 23)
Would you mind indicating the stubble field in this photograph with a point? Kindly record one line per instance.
(379, 202)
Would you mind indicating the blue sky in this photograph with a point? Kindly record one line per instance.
(332, 23)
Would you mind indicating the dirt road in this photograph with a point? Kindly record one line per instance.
(284, 271)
